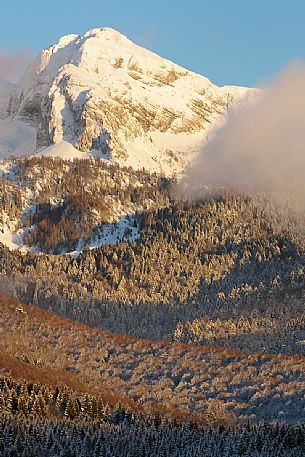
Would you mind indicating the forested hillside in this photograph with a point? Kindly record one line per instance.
(37, 420)
(55, 399)
(209, 384)
(58, 206)
(225, 272)
(227, 269)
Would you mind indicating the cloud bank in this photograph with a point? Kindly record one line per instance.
(262, 145)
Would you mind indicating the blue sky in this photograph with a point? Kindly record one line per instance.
(230, 42)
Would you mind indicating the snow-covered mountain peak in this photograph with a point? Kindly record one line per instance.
(108, 96)
(106, 33)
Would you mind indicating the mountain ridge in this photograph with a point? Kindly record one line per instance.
(109, 97)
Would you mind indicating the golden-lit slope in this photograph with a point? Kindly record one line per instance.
(214, 381)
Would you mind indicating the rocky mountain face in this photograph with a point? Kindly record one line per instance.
(107, 96)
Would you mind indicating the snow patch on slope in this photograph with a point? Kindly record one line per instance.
(63, 150)
(13, 239)
(124, 230)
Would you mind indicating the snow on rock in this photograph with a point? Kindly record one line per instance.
(104, 94)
